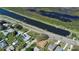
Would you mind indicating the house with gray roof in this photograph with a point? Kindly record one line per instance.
(3, 44)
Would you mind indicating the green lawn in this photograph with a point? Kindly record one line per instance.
(11, 38)
(21, 43)
(33, 35)
(2, 35)
(24, 30)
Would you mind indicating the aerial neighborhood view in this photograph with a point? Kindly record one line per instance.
(39, 29)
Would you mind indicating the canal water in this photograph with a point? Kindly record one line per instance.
(59, 16)
(35, 23)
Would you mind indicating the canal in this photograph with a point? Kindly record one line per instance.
(56, 15)
(35, 23)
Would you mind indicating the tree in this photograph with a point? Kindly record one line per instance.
(18, 26)
(15, 33)
(1, 36)
(42, 37)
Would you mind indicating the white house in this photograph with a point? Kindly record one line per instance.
(25, 37)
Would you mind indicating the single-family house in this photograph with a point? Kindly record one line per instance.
(3, 44)
(25, 37)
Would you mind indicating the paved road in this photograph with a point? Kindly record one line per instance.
(63, 39)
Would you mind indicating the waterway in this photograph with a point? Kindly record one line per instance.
(56, 15)
(35, 23)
